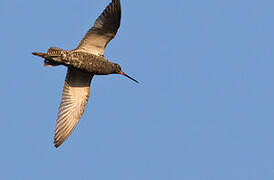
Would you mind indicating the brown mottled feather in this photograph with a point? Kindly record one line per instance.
(74, 99)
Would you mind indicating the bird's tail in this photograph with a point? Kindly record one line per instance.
(51, 57)
(43, 55)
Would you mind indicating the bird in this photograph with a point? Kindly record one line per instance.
(82, 63)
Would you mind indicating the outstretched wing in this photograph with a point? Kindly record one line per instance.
(74, 99)
(103, 30)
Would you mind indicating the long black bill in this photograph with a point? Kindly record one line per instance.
(129, 77)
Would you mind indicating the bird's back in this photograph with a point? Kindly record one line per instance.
(84, 61)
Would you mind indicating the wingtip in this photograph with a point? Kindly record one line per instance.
(57, 144)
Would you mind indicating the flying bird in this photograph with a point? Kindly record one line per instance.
(83, 63)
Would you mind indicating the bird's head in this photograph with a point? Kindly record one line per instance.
(118, 70)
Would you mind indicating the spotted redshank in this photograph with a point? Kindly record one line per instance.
(83, 63)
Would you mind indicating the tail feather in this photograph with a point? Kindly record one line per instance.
(55, 50)
(51, 57)
(43, 55)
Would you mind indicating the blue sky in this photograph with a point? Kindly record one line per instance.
(203, 109)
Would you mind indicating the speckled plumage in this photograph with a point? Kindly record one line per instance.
(83, 63)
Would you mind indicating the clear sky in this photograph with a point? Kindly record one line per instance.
(203, 109)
